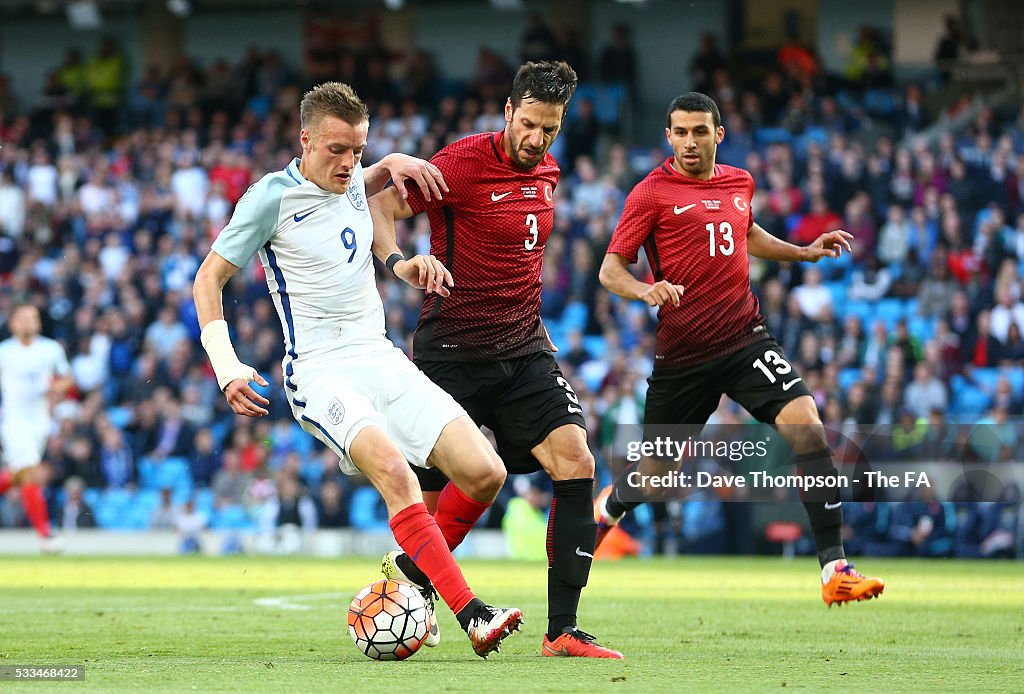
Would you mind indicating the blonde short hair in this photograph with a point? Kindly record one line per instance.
(332, 99)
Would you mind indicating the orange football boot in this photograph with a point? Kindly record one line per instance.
(847, 585)
(573, 643)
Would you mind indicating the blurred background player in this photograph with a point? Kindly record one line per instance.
(34, 375)
(693, 218)
(486, 344)
(347, 384)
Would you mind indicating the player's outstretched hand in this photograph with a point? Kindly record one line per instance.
(663, 292)
(404, 168)
(829, 245)
(425, 272)
(243, 399)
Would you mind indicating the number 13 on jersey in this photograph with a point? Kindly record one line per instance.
(725, 230)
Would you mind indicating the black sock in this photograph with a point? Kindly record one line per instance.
(572, 534)
(468, 612)
(826, 522)
(412, 572)
(615, 506)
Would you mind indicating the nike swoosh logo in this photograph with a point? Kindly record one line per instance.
(422, 547)
(564, 652)
(463, 520)
(833, 507)
(680, 210)
(790, 384)
(299, 218)
(581, 553)
(495, 197)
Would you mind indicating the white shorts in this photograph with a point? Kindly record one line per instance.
(335, 398)
(24, 442)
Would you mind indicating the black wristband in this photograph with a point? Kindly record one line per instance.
(393, 260)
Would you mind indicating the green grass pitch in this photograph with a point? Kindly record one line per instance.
(688, 624)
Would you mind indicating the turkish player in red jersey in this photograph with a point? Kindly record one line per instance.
(483, 341)
(693, 219)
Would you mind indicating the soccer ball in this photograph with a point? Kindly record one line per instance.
(388, 620)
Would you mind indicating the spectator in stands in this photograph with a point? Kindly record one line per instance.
(293, 514)
(925, 393)
(75, 513)
(948, 49)
(871, 282)
(618, 63)
(165, 515)
(332, 504)
(1008, 311)
(869, 63)
(707, 61)
(812, 296)
(538, 42)
(190, 524)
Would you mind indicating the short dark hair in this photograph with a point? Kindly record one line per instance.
(550, 82)
(695, 101)
(332, 99)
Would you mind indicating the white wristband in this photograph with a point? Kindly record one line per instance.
(217, 344)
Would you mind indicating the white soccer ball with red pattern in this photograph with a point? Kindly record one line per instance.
(388, 620)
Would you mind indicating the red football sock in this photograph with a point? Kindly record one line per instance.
(456, 514)
(34, 502)
(6, 479)
(420, 538)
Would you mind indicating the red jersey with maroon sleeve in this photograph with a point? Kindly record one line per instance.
(490, 231)
(695, 234)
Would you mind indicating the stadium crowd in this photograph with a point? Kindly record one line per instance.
(112, 188)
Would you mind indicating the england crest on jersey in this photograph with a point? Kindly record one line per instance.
(356, 197)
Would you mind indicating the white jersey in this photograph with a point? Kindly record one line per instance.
(342, 374)
(315, 250)
(26, 375)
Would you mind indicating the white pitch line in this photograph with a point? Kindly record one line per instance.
(293, 602)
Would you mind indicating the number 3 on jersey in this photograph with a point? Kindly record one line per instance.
(574, 408)
(531, 226)
(725, 229)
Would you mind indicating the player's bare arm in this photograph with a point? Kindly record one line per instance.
(402, 168)
(616, 278)
(421, 271)
(232, 375)
(763, 245)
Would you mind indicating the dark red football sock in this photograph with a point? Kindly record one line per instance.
(34, 502)
(419, 537)
(456, 514)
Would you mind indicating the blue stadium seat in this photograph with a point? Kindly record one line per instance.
(596, 345)
(365, 510)
(969, 401)
(890, 311)
(204, 499)
(770, 136)
(921, 327)
(113, 508)
(847, 377)
(575, 315)
(879, 102)
(862, 309)
(231, 518)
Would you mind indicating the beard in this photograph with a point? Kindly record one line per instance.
(520, 162)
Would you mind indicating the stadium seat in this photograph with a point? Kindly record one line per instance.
(231, 518)
(890, 311)
(847, 377)
(366, 513)
(785, 533)
(575, 316)
(770, 136)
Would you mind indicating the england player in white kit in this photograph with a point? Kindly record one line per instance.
(347, 384)
(33, 370)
